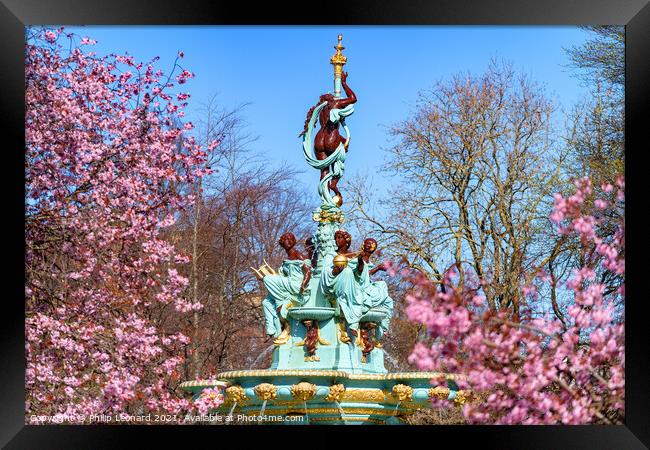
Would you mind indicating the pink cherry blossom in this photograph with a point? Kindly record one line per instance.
(100, 162)
(534, 370)
(209, 399)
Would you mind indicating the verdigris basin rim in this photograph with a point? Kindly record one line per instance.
(374, 315)
(305, 313)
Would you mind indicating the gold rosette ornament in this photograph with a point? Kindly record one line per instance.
(235, 394)
(402, 392)
(303, 391)
(266, 391)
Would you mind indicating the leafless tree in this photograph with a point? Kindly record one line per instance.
(474, 168)
(238, 215)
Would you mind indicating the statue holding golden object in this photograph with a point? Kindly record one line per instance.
(288, 288)
(327, 151)
(328, 289)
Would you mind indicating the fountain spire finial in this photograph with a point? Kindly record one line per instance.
(338, 60)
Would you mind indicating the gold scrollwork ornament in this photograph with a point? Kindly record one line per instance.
(462, 397)
(328, 216)
(336, 393)
(439, 392)
(364, 395)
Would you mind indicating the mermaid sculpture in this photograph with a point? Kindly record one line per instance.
(286, 289)
(329, 146)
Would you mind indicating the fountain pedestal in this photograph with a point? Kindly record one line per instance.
(338, 386)
(330, 396)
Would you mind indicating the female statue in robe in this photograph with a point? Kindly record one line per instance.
(285, 289)
(342, 281)
(376, 292)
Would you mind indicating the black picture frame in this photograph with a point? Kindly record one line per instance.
(635, 14)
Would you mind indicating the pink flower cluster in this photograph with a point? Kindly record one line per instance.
(534, 370)
(209, 399)
(103, 153)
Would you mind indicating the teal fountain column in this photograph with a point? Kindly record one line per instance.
(328, 358)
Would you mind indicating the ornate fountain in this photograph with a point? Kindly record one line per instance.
(326, 313)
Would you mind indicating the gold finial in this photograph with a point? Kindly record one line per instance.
(338, 61)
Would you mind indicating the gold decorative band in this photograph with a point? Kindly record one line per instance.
(281, 373)
(203, 383)
(334, 411)
(223, 377)
(402, 393)
(405, 376)
(364, 395)
(358, 419)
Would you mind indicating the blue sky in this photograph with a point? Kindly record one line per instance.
(281, 71)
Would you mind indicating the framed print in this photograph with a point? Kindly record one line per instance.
(384, 214)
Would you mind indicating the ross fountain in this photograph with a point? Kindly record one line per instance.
(326, 313)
